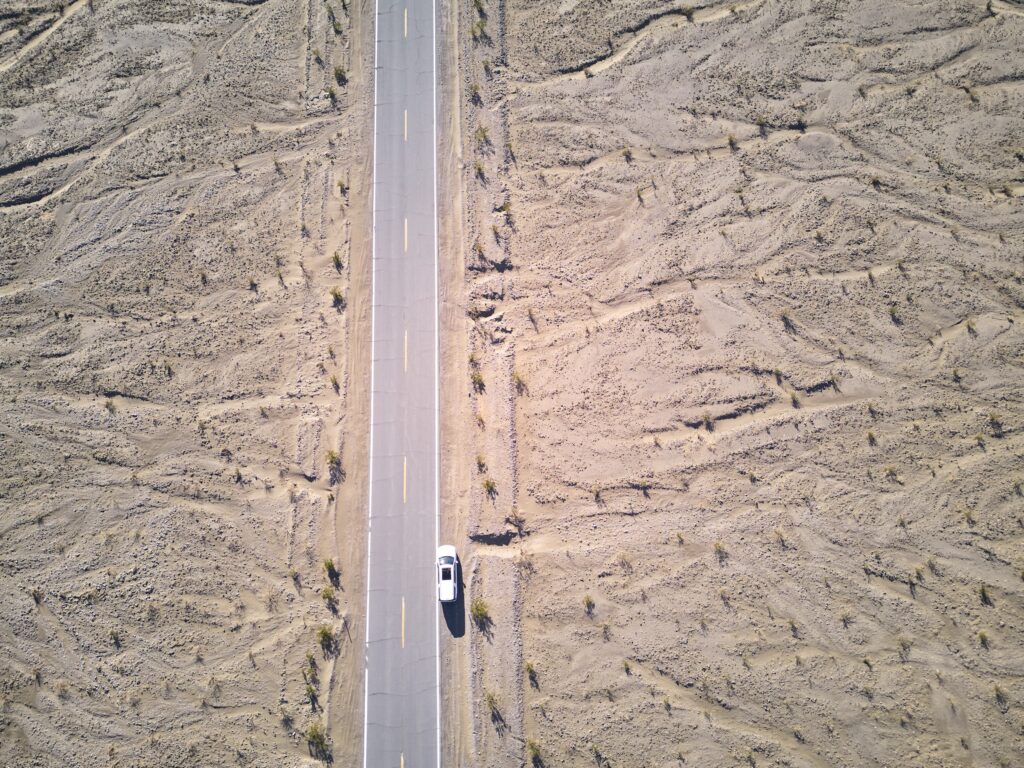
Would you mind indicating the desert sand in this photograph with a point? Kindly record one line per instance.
(732, 374)
(183, 280)
(742, 372)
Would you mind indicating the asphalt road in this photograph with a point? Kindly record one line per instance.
(402, 693)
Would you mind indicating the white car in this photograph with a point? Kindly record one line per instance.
(447, 574)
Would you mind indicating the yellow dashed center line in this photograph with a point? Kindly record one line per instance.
(405, 235)
(403, 622)
(405, 477)
(405, 23)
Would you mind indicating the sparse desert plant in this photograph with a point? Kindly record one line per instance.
(969, 517)
(904, 644)
(37, 595)
(481, 463)
(794, 399)
(328, 595)
(995, 423)
(787, 321)
(109, 405)
(627, 154)
(491, 701)
(478, 171)
(626, 667)
(316, 738)
(334, 383)
(477, 379)
(588, 605)
(720, 553)
(332, 459)
(707, 421)
(872, 440)
(316, 56)
(482, 136)
(337, 298)
(846, 618)
(331, 570)
(474, 94)
(983, 639)
(325, 638)
(516, 520)
(986, 598)
(533, 751)
(531, 674)
(1001, 699)
(519, 382)
(891, 473)
(340, 75)
(680, 540)
(480, 612)
(336, 261)
(490, 487)
(732, 142)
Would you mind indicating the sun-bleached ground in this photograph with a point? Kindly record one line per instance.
(182, 187)
(744, 286)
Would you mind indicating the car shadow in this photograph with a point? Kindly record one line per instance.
(455, 613)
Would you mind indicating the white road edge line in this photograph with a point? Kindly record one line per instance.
(437, 388)
(373, 332)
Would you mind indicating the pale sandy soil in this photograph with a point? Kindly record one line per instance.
(760, 281)
(170, 210)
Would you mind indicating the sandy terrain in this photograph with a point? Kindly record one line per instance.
(182, 186)
(744, 361)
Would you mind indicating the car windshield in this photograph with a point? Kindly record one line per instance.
(446, 574)
(447, 560)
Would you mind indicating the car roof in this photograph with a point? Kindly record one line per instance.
(445, 550)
